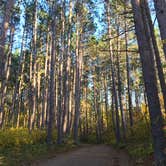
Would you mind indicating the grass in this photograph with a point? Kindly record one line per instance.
(18, 147)
(138, 143)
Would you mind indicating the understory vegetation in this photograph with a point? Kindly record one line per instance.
(19, 146)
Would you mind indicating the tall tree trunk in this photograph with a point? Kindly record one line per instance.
(156, 52)
(160, 7)
(118, 137)
(86, 111)
(6, 73)
(96, 89)
(52, 80)
(149, 75)
(59, 120)
(3, 28)
(39, 108)
(128, 71)
(97, 111)
(19, 75)
(66, 54)
(34, 69)
(67, 73)
(106, 100)
(77, 83)
(120, 94)
(45, 82)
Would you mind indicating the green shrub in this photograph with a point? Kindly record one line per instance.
(89, 139)
(18, 137)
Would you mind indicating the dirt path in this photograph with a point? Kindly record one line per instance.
(98, 155)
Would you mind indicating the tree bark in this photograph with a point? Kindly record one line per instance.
(156, 52)
(52, 80)
(128, 71)
(3, 34)
(34, 69)
(77, 81)
(118, 136)
(160, 7)
(150, 81)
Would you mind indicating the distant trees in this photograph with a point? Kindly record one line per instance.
(5, 62)
(5, 24)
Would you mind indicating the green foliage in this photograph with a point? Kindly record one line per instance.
(18, 145)
(109, 137)
(141, 150)
(139, 141)
(89, 139)
(18, 137)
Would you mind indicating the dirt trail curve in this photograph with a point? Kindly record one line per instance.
(98, 155)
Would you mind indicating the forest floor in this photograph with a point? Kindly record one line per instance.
(90, 155)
